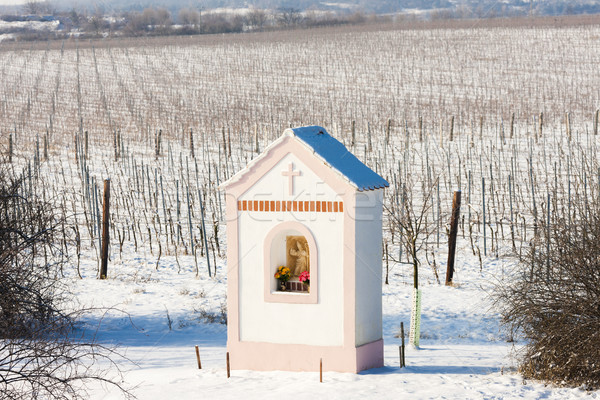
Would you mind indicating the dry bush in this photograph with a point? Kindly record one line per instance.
(554, 300)
(41, 354)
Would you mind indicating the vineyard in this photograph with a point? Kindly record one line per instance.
(505, 115)
(509, 116)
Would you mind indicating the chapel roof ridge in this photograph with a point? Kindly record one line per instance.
(330, 151)
(337, 157)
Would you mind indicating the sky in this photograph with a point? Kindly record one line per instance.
(12, 2)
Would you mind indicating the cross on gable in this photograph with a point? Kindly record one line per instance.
(290, 173)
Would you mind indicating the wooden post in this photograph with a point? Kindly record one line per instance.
(256, 148)
(596, 122)
(85, 143)
(157, 144)
(198, 358)
(388, 131)
(452, 239)
(192, 143)
(387, 264)
(512, 125)
(321, 370)
(228, 367)
(46, 146)
(10, 147)
(403, 355)
(105, 232)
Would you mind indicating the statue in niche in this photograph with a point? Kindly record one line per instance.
(298, 255)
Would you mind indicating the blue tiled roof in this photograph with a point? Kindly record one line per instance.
(338, 157)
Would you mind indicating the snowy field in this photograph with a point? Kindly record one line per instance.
(463, 353)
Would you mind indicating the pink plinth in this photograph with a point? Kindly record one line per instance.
(290, 357)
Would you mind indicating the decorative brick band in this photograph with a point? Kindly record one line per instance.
(290, 205)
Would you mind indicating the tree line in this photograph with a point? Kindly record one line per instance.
(158, 21)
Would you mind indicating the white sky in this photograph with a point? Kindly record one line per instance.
(11, 2)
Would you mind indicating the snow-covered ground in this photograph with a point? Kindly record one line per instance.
(157, 316)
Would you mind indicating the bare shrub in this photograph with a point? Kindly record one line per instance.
(554, 300)
(42, 355)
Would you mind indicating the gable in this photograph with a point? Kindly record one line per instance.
(324, 150)
(291, 178)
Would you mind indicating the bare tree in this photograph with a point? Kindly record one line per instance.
(189, 16)
(257, 18)
(409, 213)
(34, 7)
(288, 17)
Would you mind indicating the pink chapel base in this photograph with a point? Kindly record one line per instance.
(260, 356)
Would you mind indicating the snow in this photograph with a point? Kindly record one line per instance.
(29, 25)
(463, 352)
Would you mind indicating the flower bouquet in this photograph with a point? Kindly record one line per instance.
(282, 275)
(305, 278)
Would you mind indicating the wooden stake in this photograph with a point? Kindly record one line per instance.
(512, 125)
(198, 358)
(10, 147)
(228, 368)
(192, 143)
(402, 348)
(321, 370)
(105, 232)
(452, 239)
(157, 144)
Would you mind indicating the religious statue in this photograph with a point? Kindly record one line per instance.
(300, 253)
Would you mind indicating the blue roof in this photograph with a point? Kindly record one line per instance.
(338, 157)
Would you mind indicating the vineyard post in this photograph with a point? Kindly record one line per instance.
(105, 232)
(85, 138)
(46, 146)
(192, 144)
(369, 141)
(388, 131)
(387, 264)
(484, 221)
(512, 125)
(256, 148)
(452, 240)
(204, 231)
(157, 144)
(510, 198)
(115, 145)
(596, 122)
(10, 147)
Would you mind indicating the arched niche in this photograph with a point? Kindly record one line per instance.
(291, 244)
